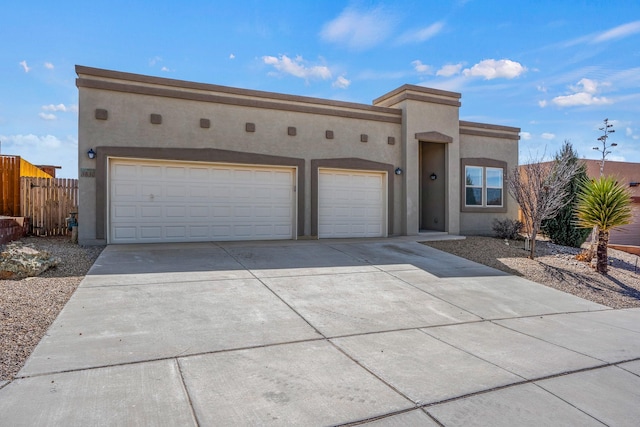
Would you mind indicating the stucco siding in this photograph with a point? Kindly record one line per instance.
(132, 116)
(501, 148)
(129, 124)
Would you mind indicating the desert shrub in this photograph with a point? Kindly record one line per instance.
(506, 228)
(562, 229)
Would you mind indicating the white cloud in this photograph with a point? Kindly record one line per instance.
(61, 107)
(47, 116)
(581, 98)
(153, 61)
(48, 66)
(359, 29)
(493, 69)
(542, 103)
(586, 85)
(165, 69)
(449, 70)
(232, 56)
(548, 136)
(629, 133)
(31, 141)
(45, 150)
(525, 136)
(421, 35)
(585, 91)
(618, 32)
(541, 88)
(420, 67)
(24, 66)
(341, 82)
(296, 67)
(454, 84)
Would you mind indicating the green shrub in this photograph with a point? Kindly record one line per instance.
(562, 228)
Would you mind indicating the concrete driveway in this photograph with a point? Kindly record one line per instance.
(379, 332)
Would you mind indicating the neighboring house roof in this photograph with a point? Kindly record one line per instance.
(31, 170)
(628, 174)
(50, 169)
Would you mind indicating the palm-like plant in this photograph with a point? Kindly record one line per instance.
(605, 204)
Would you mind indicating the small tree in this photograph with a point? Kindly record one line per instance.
(562, 228)
(541, 191)
(605, 204)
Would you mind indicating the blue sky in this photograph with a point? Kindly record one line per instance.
(555, 69)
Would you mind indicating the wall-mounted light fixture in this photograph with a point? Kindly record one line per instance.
(91, 154)
(433, 176)
(634, 184)
(398, 171)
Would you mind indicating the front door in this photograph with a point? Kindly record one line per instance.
(433, 186)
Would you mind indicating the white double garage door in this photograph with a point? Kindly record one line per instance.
(157, 201)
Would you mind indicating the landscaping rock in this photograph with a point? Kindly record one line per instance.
(18, 261)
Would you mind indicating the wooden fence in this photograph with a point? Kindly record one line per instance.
(10, 185)
(48, 202)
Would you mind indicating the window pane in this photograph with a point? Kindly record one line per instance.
(494, 177)
(474, 197)
(494, 197)
(473, 176)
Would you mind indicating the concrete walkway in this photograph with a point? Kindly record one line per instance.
(380, 332)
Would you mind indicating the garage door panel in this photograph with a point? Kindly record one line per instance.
(219, 192)
(151, 232)
(199, 211)
(163, 201)
(198, 174)
(281, 212)
(198, 232)
(222, 231)
(222, 212)
(147, 212)
(126, 171)
(176, 191)
(263, 212)
(125, 212)
(351, 204)
(125, 189)
(153, 172)
(151, 189)
(176, 212)
(173, 172)
(124, 232)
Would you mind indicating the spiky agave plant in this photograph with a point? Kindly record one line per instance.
(605, 204)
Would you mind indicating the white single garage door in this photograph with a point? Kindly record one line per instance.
(351, 204)
(153, 201)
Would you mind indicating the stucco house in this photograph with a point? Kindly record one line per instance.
(627, 174)
(164, 160)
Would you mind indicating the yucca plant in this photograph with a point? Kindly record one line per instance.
(605, 204)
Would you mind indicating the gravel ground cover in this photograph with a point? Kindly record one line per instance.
(29, 306)
(557, 267)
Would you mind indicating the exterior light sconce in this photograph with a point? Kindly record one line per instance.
(91, 154)
(433, 176)
(398, 171)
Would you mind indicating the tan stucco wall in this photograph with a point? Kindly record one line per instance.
(427, 110)
(394, 127)
(128, 125)
(503, 149)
